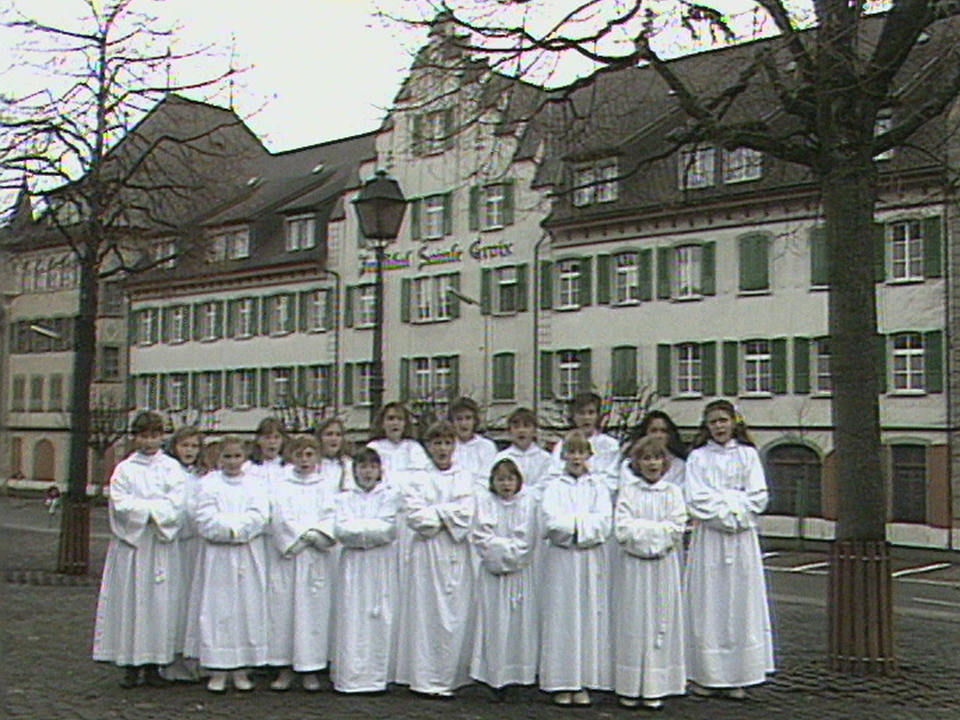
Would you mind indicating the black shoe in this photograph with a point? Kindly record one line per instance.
(152, 677)
(131, 677)
(499, 694)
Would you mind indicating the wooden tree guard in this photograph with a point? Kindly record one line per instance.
(861, 641)
(74, 553)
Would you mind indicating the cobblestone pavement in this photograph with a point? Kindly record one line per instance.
(47, 674)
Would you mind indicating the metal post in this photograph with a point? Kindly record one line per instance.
(376, 374)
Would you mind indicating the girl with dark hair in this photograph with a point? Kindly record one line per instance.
(393, 439)
(335, 467)
(657, 423)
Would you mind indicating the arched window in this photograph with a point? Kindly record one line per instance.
(793, 476)
(909, 473)
(43, 461)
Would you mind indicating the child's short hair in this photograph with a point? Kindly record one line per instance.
(181, 433)
(464, 404)
(442, 429)
(513, 469)
(577, 441)
(271, 425)
(522, 416)
(231, 440)
(367, 455)
(650, 445)
(147, 421)
(301, 442)
(583, 400)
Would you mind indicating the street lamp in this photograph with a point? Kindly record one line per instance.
(380, 208)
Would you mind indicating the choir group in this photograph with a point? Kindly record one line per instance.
(438, 562)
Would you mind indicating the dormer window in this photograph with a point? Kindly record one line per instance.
(301, 232)
(742, 165)
(697, 165)
(432, 132)
(163, 253)
(233, 244)
(595, 183)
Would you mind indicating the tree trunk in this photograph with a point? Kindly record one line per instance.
(860, 601)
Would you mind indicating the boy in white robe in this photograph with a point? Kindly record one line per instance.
(576, 519)
(473, 453)
(504, 535)
(649, 521)
(604, 460)
(302, 569)
(367, 588)
(534, 462)
(435, 641)
(139, 604)
(227, 632)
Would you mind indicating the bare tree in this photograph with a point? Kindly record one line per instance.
(828, 91)
(118, 159)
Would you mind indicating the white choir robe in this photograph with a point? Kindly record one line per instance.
(506, 647)
(228, 626)
(475, 456)
(367, 589)
(401, 461)
(435, 632)
(576, 518)
(302, 575)
(139, 602)
(535, 464)
(604, 463)
(336, 473)
(649, 521)
(729, 638)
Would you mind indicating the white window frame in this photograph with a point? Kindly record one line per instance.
(742, 165)
(208, 390)
(165, 253)
(55, 386)
(757, 368)
(689, 370)
(238, 244)
(281, 386)
(596, 183)
(626, 278)
(568, 284)
(281, 314)
(697, 167)
(145, 319)
(431, 301)
(300, 232)
(506, 290)
(243, 322)
(244, 389)
(177, 328)
(318, 385)
(112, 372)
(568, 374)
(363, 376)
(492, 201)
(366, 306)
(688, 272)
(906, 250)
(207, 322)
(421, 378)
(434, 216)
(908, 366)
(177, 388)
(434, 131)
(822, 379)
(147, 391)
(317, 311)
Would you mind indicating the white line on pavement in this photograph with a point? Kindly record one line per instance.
(921, 569)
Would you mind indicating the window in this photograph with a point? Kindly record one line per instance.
(429, 379)
(686, 272)
(626, 278)
(280, 316)
(209, 321)
(300, 233)
(147, 326)
(431, 217)
(689, 370)
(243, 389)
(110, 363)
(741, 165)
(697, 167)
(884, 123)
(281, 389)
(504, 372)
(757, 371)
(217, 249)
(432, 131)
(568, 366)
(163, 253)
(908, 365)
(596, 183)
(493, 201)
(822, 381)
(147, 392)
(364, 374)
(318, 386)
(754, 263)
(506, 290)
(568, 284)
(906, 250)
(177, 324)
(18, 394)
(206, 391)
(41, 274)
(689, 271)
(176, 389)
(794, 481)
(366, 310)
(431, 299)
(111, 299)
(56, 393)
(623, 372)
(909, 483)
(229, 245)
(243, 317)
(315, 306)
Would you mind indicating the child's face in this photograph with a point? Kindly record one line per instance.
(720, 425)
(331, 440)
(231, 459)
(465, 423)
(505, 483)
(393, 424)
(441, 451)
(367, 475)
(187, 449)
(576, 461)
(523, 434)
(658, 428)
(586, 418)
(305, 460)
(148, 442)
(270, 445)
(648, 466)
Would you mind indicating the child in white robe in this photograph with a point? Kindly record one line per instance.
(576, 519)
(400, 453)
(504, 535)
(302, 569)
(435, 641)
(649, 521)
(659, 424)
(367, 588)
(267, 458)
(227, 632)
(604, 462)
(139, 605)
(729, 638)
(335, 466)
(473, 453)
(534, 462)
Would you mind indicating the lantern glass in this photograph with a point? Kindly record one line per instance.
(380, 208)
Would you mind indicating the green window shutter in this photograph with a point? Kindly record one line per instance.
(664, 357)
(197, 312)
(623, 371)
(801, 365)
(585, 373)
(302, 311)
(416, 134)
(404, 379)
(348, 383)
(265, 303)
(503, 376)
(508, 189)
(933, 360)
(546, 284)
(349, 293)
(879, 252)
(194, 391)
(474, 208)
(486, 289)
(586, 285)
(778, 365)
(932, 248)
(300, 375)
(708, 268)
(645, 272)
(265, 387)
(449, 129)
(708, 368)
(731, 367)
(291, 311)
(415, 218)
(228, 388)
(664, 272)
(406, 289)
(819, 259)
(603, 279)
(329, 319)
(454, 283)
(522, 287)
(448, 214)
(881, 363)
(546, 375)
(218, 321)
(232, 306)
(454, 390)
(754, 262)
(255, 316)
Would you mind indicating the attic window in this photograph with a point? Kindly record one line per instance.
(231, 244)
(595, 183)
(300, 232)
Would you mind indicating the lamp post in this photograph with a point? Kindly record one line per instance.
(380, 208)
